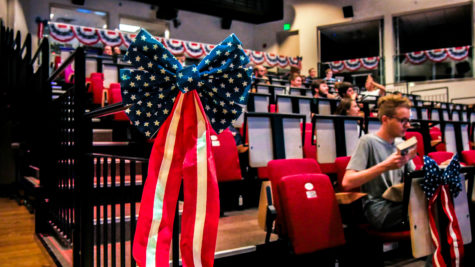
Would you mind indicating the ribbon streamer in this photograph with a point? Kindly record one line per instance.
(446, 185)
(179, 106)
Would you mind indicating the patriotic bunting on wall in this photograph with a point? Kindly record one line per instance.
(369, 63)
(65, 33)
(438, 55)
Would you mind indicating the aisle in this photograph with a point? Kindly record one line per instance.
(18, 245)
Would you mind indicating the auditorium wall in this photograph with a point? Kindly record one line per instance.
(305, 16)
(3, 11)
(194, 26)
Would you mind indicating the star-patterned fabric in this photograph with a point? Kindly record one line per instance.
(149, 91)
(434, 177)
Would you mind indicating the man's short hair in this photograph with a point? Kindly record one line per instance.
(310, 70)
(317, 83)
(328, 70)
(343, 87)
(387, 105)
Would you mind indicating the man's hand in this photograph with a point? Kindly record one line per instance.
(394, 161)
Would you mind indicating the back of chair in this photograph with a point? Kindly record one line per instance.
(420, 143)
(276, 169)
(440, 156)
(226, 158)
(311, 212)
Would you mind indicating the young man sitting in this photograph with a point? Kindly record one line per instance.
(377, 165)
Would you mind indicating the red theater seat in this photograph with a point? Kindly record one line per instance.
(436, 134)
(469, 157)
(420, 143)
(276, 169)
(226, 158)
(115, 96)
(97, 85)
(440, 156)
(309, 150)
(311, 212)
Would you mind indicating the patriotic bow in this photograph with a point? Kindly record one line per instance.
(221, 78)
(434, 177)
(439, 183)
(161, 94)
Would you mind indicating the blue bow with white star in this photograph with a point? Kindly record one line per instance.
(149, 92)
(434, 177)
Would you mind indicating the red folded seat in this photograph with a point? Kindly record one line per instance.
(312, 215)
(276, 169)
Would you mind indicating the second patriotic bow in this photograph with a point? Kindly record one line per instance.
(178, 106)
(446, 185)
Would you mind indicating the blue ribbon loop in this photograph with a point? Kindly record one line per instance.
(435, 177)
(149, 91)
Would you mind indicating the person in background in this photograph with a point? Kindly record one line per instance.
(320, 89)
(181, 58)
(373, 88)
(329, 79)
(345, 89)
(238, 139)
(312, 75)
(397, 93)
(107, 50)
(295, 80)
(376, 165)
(292, 71)
(261, 73)
(117, 51)
(348, 107)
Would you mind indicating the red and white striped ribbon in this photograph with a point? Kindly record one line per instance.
(181, 150)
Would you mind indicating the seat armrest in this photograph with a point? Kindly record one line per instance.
(345, 198)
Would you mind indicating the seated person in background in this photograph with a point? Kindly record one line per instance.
(181, 58)
(376, 164)
(397, 93)
(373, 88)
(348, 107)
(345, 89)
(261, 73)
(312, 75)
(288, 75)
(238, 139)
(320, 89)
(295, 80)
(329, 79)
(107, 50)
(117, 51)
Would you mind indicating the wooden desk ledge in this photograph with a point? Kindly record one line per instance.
(348, 197)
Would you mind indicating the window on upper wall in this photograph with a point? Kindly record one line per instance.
(79, 16)
(434, 45)
(156, 27)
(352, 51)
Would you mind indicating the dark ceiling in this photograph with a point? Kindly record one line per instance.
(251, 11)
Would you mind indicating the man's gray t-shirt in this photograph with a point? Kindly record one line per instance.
(371, 150)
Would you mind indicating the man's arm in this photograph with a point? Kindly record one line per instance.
(353, 178)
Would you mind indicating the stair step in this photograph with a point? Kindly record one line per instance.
(102, 135)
